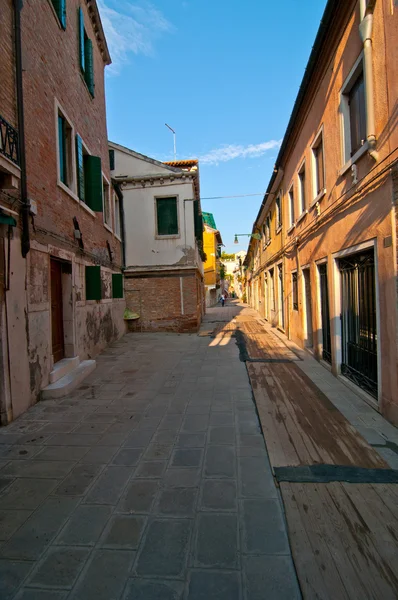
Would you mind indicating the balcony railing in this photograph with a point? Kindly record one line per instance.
(9, 141)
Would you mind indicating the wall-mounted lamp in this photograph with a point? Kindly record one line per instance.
(256, 236)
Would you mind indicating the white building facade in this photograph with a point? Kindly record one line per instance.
(163, 233)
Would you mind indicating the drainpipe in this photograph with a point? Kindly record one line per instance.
(365, 31)
(25, 240)
(119, 194)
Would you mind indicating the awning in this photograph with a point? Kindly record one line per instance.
(7, 220)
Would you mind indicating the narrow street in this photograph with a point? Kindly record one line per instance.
(152, 481)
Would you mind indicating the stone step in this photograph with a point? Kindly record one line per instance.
(63, 367)
(68, 382)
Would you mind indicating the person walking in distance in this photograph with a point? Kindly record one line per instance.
(222, 299)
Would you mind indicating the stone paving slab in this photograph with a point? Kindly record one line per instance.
(149, 482)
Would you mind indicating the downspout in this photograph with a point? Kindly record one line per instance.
(119, 194)
(25, 240)
(365, 31)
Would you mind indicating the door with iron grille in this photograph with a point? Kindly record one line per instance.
(325, 317)
(358, 315)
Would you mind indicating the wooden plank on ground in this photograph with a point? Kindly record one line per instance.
(322, 554)
(381, 579)
(307, 424)
(310, 572)
(343, 532)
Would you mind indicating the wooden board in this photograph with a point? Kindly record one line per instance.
(300, 424)
(344, 539)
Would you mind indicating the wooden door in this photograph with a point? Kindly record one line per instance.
(57, 325)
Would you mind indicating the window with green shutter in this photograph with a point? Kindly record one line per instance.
(117, 285)
(60, 9)
(80, 168)
(93, 283)
(86, 55)
(93, 182)
(167, 216)
(62, 148)
(65, 142)
(81, 40)
(89, 61)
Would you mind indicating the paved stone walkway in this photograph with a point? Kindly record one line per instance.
(151, 482)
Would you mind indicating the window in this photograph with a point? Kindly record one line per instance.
(268, 228)
(60, 9)
(86, 54)
(65, 170)
(166, 216)
(318, 164)
(111, 159)
(291, 206)
(117, 215)
(278, 210)
(89, 177)
(117, 285)
(302, 198)
(353, 110)
(107, 203)
(294, 291)
(93, 283)
(264, 231)
(272, 289)
(356, 102)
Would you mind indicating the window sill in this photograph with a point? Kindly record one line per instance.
(291, 228)
(68, 191)
(108, 227)
(301, 217)
(354, 158)
(88, 209)
(86, 86)
(318, 198)
(167, 237)
(117, 236)
(278, 230)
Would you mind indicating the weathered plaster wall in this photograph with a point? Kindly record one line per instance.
(17, 315)
(89, 326)
(142, 247)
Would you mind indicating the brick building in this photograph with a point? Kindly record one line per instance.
(70, 303)
(325, 269)
(163, 240)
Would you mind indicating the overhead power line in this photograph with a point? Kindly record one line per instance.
(235, 196)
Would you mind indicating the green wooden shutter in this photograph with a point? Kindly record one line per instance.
(198, 220)
(93, 182)
(117, 285)
(60, 9)
(81, 40)
(61, 149)
(89, 62)
(93, 283)
(167, 218)
(80, 167)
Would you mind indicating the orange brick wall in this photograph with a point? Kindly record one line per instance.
(161, 305)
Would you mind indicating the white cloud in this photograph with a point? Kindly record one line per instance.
(131, 29)
(232, 151)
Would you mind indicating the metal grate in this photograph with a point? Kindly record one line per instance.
(359, 330)
(9, 141)
(326, 339)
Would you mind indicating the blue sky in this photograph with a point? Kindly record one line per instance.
(224, 74)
